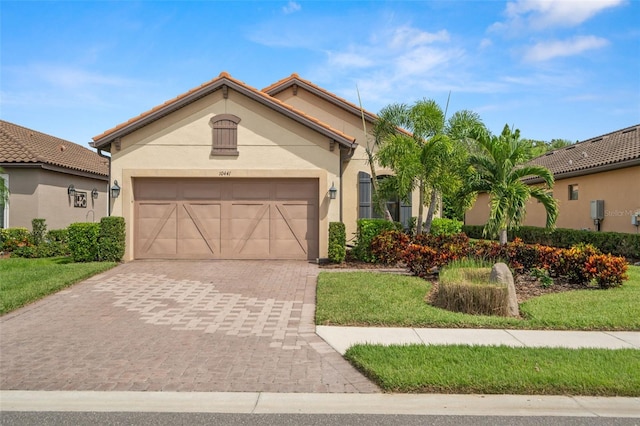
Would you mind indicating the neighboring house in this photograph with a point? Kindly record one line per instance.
(40, 169)
(226, 171)
(604, 170)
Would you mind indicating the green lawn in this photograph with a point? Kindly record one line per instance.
(500, 370)
(23, 281)
(374, 299)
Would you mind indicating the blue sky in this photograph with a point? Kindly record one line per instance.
(554, 69)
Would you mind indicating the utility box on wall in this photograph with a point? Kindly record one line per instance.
(597, 209)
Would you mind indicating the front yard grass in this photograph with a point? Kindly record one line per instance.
(499, 369)
(23, 281)
(376, 299)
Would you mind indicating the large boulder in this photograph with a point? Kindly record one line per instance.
(500, 273)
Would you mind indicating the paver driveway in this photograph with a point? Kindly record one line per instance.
(177, 326)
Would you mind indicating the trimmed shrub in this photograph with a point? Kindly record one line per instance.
(388, 247)
(83, 241)
(337, 242)
(607, 271)
(368, 229)
(57, 240)
(474, 299)
(111, 239)
(443, 226)
(38, 231)
(12, 238)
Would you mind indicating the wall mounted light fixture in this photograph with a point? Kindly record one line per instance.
(71, 190)
(333, 192)
(115, 189)
(94, 193)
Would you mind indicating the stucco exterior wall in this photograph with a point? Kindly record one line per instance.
(270, 145)
(350, 124)
(618, 189)
(39, 193)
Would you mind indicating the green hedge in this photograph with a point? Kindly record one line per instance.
(444, 226)
(337, 242)
(368, 229)
(616, 243)
(83, 241)
(111, 239)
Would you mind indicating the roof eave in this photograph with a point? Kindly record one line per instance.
(591, 170)
(206, 90)
(271, 91)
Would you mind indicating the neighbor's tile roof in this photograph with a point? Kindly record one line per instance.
(619, 148)
(205, 89)
(21, 145)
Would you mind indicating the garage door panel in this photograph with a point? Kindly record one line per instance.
(251, 190)
(198, 190)
(227, 219)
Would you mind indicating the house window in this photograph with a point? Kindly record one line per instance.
(400, 212)
(225, 135)
(573, 192)
(4, 197)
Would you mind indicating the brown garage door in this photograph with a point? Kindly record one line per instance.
(226, 218)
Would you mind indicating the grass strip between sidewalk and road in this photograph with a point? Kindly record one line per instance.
(391, 300)
(499, 369)
(23, 281)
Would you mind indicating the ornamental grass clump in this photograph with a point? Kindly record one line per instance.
(464, 286)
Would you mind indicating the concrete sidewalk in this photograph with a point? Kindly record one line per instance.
(319, 403)
(341, 338)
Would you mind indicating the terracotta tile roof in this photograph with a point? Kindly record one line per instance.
(21, 145)
(295, 79)
(203, 90)
(614, 150)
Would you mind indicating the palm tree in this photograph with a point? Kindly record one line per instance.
(423, 151)
(498, 170)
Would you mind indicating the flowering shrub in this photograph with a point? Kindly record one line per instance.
(608, 271)
(420, 259)
(579, 264)
(388, 247)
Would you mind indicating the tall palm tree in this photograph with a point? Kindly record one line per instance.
(498, 169)
(422, 150)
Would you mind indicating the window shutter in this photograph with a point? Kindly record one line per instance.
(364, 195)
(225, 134)
(405, 213)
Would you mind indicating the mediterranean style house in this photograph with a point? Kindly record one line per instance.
(50, 178)
(597, 185)
(227, 171)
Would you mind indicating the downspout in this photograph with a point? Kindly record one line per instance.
(108, 181)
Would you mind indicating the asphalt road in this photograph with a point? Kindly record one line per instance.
(20, 418)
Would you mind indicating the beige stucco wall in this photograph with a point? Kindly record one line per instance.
(350, 124)
(39, 193)
(270, 145)
(618, 189)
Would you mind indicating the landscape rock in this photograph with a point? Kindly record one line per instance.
(501, 273)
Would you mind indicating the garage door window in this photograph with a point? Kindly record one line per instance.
(225, 135)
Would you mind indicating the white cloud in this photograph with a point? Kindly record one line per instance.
(405, 36)
(545, 51)
(349, 60)
(291, 7)
(542, 14)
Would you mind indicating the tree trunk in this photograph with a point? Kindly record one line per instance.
(420, 208)
(503, 237)
(432, 207)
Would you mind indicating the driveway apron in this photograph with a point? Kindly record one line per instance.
(245, 326)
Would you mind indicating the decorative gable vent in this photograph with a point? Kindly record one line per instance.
(225, 134)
